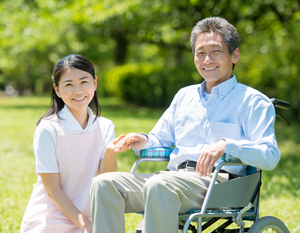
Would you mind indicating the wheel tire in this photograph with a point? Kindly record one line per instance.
(265, 224)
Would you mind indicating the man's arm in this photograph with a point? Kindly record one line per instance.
(162, 135)
(260, 148)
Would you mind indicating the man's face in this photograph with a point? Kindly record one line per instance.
(212, 59)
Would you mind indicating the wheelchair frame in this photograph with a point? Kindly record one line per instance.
(222, 201)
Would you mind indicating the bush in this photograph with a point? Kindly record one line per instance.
(146, 84)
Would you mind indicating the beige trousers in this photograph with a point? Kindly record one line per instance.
(161, 195)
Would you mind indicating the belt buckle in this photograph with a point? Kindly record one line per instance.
(189, 167)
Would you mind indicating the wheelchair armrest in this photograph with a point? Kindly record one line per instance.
(229, 158)
(152, 155)
(158, 152)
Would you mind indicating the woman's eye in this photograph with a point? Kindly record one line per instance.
(68, 85)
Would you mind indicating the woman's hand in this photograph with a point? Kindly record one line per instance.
(52, 185)
(121, 139)
(130, 141)
(88, 228)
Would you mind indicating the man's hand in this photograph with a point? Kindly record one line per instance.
(132, 140)
(209, 157)
(112, 145)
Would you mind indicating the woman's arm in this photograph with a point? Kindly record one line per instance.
(109, 161)
(52, 185)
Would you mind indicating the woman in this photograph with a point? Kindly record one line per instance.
(71, 146)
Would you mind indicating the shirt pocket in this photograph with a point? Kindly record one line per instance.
(220, 130)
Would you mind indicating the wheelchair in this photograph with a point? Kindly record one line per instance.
(232, 201)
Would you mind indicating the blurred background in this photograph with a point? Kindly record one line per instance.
(141, 48)
(142, 55)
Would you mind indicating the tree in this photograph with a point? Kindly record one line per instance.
(35, 34)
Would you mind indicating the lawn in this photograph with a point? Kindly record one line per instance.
(280, 195)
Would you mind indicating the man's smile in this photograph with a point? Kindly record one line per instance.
(212, 68)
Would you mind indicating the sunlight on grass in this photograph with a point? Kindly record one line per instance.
(280, 195)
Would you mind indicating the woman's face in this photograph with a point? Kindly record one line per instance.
(76, 88)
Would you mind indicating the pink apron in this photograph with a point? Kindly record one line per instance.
(78, 159)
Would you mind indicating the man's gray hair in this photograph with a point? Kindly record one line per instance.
(219, 25)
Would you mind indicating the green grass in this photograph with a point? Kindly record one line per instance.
(280, 195)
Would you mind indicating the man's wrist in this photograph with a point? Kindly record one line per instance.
(144, 135)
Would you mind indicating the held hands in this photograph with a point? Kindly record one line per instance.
(112, 145)
(209, 157)
(130, 141)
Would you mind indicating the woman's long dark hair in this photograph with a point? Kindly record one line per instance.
(71, 61)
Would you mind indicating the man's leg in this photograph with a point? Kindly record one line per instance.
(112, 195)
(169, 193)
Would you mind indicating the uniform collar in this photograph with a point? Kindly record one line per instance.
(220, 90)
(69, 121)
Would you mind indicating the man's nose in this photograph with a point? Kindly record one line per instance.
(208, 58)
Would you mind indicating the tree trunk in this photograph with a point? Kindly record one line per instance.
(121, 48)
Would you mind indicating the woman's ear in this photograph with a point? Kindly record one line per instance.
(95, 82)
(56, 90)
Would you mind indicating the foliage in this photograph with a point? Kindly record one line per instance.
(147, 84)
(35, 34)
(134, 82)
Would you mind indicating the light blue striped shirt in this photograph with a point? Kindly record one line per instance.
(240, 114)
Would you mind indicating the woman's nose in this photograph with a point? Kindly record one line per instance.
(77, 89)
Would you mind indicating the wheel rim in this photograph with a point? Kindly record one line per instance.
(271, 229)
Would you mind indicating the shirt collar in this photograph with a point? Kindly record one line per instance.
(68, 120)
(220, 90)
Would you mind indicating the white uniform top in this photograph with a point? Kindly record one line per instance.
(62, 146)
(44, 139)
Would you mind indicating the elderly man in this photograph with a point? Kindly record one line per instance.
(203, 122)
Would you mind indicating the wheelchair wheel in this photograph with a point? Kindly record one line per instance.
(268, 224)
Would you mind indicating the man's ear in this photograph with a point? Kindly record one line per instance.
(56, 90)
(235, 56)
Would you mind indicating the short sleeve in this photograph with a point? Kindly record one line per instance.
(108, 131)
(44, 147)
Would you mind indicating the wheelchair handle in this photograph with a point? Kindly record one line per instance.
(280, 103)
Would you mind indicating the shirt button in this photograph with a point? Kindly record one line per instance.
(231, 151)
(203, 122)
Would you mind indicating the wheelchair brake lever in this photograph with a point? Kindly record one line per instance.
(282, 118)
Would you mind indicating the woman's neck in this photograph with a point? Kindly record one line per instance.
(83, 121)
(82, 117)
